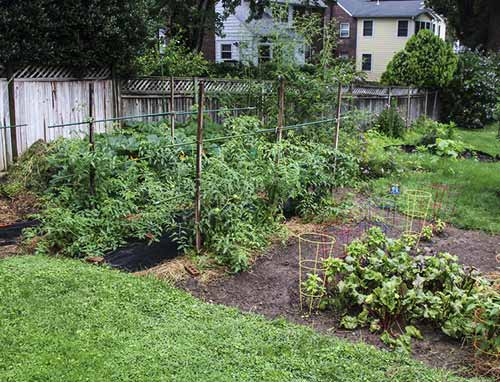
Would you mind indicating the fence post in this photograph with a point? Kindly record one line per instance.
(426, 101)
(172, 108)
(199, 155)
(339, 106)
(408, 109)
(195, 87)
(281, 109)
(435, 114)
(12, 112)
(116, 85)
(351, 97)
(91, 139)
(262, 100)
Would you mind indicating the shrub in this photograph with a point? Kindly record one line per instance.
(432, 130)
(176, 60)
(391, 123)
(425, 62)
(471, 97)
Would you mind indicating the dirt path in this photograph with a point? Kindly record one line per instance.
(270, 288)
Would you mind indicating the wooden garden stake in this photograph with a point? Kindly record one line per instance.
(199, 155)
(172, 108)
(408, 111)
(281, 109)
(91, 139)
(339, 106)
(12, 112)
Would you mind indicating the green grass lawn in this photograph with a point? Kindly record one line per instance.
(484, 140)
(62, 320)
(477, 185)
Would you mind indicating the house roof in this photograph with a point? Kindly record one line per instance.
(384, 8)
(311, 3)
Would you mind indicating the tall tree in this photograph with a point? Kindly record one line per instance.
(426, 62)
(474, 22)
(79, 33)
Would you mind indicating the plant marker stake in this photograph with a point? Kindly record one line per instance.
(91, 139)
(281, 109)
(199, 154)
(337, 126)
(339, 105)
(172, 107)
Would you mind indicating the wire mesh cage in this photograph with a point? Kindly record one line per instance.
(416, 209)
(314, 248)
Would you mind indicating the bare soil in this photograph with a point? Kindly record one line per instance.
(270, 288)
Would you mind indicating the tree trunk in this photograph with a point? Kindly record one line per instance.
(494, 26)
(200, 30)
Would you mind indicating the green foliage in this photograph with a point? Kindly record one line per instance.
(439, 138)
(427, 233)
(76, 322)
(391, 123)
(145, 188)
(175, 60)
(471, 97)
(426, 62)
(73, 33)
(470, 21)
(387, 287)
(439, 226)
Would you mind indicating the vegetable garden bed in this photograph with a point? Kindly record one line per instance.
(271, 288)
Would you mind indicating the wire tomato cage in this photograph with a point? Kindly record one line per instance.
(314, 248)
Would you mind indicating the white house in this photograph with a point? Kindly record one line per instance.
(250, 42)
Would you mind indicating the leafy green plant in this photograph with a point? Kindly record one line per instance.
(471, 96)
(383, 285)
(391, 123)
(426, 62)
(439, 226)
(313, 285)
(427, 232)
(144, 188)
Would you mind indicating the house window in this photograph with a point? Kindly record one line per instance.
(226, 51)
(403, 28)
(368, 28)
(419, 25)
(264, 53)
(344, 30)
(366, 62)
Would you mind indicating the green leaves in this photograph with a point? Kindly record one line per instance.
(426, 62)
(391, 288)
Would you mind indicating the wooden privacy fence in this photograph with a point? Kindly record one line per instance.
(36, 98)
(155, 95)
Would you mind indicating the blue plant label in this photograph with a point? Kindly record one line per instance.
(395, 189)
